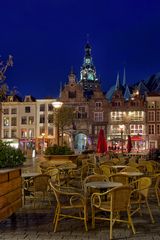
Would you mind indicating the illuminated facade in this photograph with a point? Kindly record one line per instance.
(122, 111)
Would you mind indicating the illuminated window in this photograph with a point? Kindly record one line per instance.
(6, 121)
(137, 116)
(98, 116)
(30, 120)
(137, 129)
(117, 116)
(31, 133)
(23, 133)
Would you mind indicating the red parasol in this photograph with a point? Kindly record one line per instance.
(102, 144)
(129, 144)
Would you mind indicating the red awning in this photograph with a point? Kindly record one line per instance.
(137, 138)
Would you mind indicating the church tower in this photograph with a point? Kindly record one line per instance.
(88, 78)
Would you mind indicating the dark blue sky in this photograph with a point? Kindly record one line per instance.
(47, 37)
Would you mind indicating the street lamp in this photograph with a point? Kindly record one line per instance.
(57, 105)
(43, 142)
(121, 128)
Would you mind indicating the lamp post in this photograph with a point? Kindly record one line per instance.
(121, 139)
(43, 142)
(57, 105)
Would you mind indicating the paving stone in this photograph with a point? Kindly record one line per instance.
(36, 224)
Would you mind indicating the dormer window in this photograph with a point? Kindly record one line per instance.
(98, 105)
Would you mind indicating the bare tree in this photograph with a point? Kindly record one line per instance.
(3, 68)
(62, 118)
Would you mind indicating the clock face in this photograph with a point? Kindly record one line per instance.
(90, 76)
(88, 60)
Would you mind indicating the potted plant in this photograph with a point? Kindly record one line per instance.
(59, 152)
(10, 179)
(10, 157)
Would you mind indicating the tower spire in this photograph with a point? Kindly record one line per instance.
(117, 82)
(124, 77)
(88, 78)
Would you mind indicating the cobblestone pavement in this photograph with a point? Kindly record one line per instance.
(31, 224)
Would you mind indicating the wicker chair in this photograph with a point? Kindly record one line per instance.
(140, 195)
(157, 188)
(118, 200)
(118, 177)
(106, 170)
(77, 176)
(93, 178)
(37, 187)
(68, 199)
(130, 169)
(54, 174)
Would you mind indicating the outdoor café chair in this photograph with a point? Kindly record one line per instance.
(114, 201)
(93, 178)
(53, 172)
(106, 170)
(157, 188)
(118, 177)
(67, 200)
(37, 187)
(140, 195)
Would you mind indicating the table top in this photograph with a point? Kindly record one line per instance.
(118, 166)
(102, 184)
(133, 174)
(30, 174)
(67, 166)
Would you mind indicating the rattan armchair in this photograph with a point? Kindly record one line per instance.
(114, 201)
(105, 169)
(67, 199)
(157, 188)
(53, 172)
(118, 177)
(37, 187)
(93, 178)
(140, 195)
(77, 176)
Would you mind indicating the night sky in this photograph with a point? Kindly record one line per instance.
(47, 37)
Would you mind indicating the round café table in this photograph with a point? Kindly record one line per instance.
(103, 184)
(117, 168)
(132, 174)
